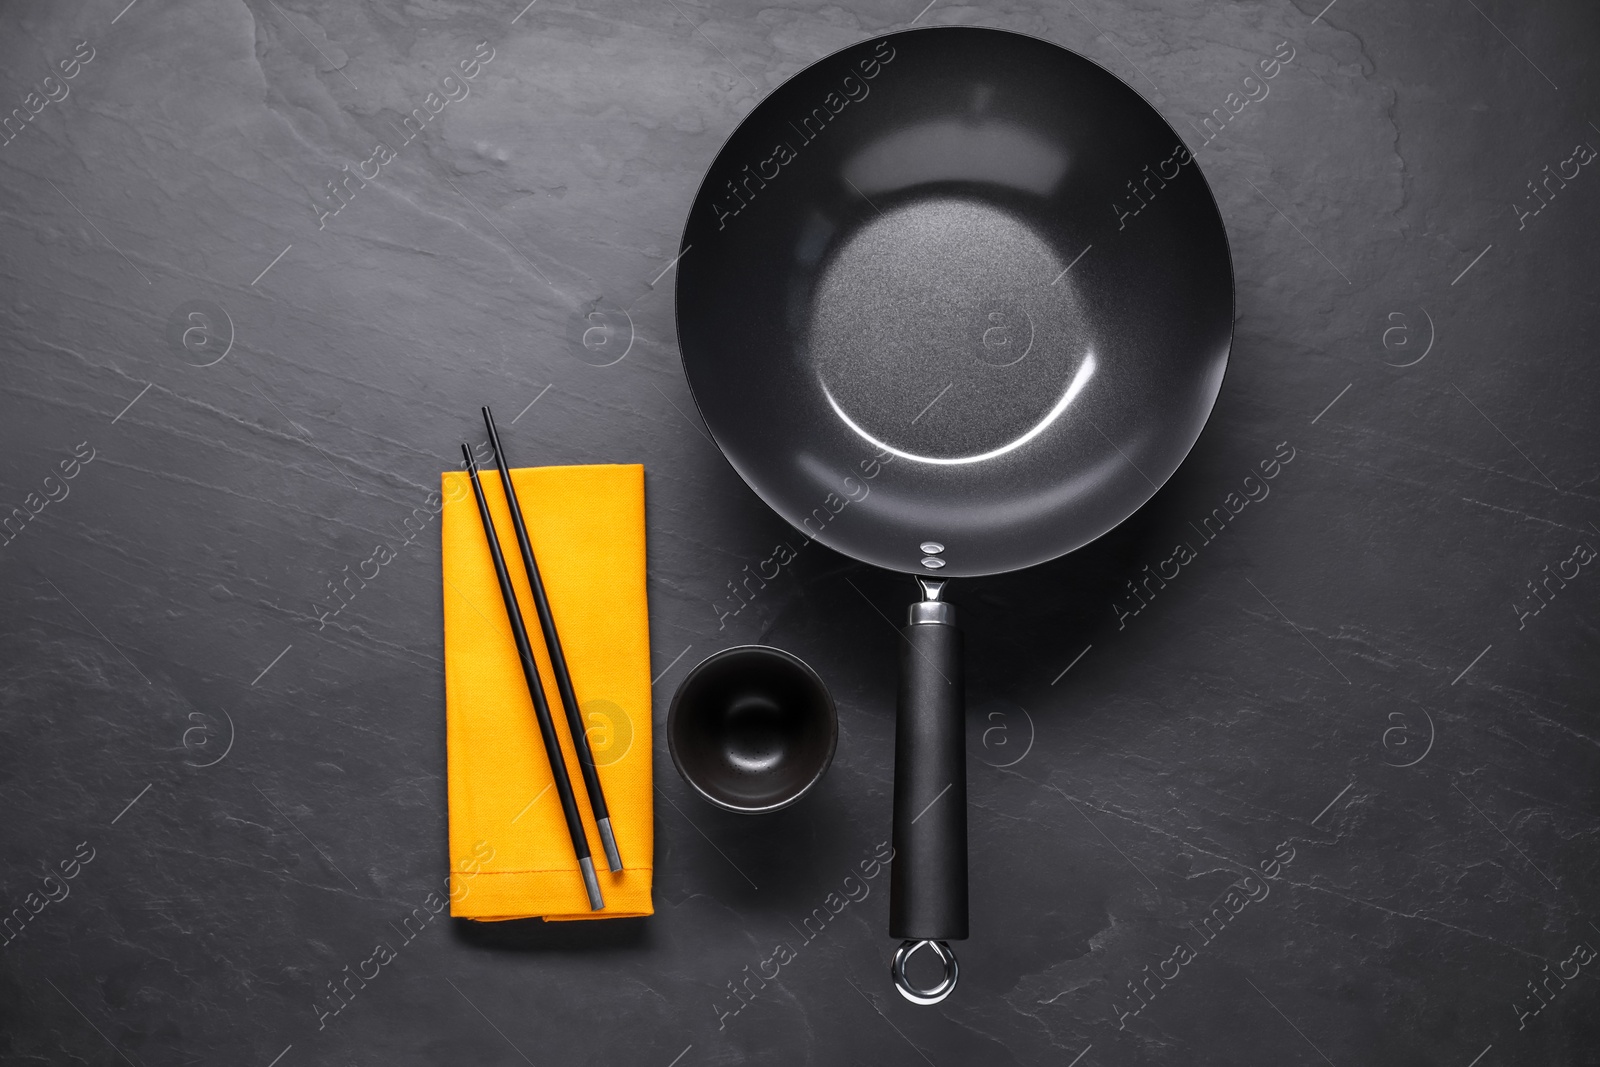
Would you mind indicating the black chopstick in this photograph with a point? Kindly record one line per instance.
(530, 671)
(558, 661)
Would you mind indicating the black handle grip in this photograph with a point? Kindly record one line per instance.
(928, 880)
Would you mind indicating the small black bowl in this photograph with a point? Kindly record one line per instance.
(752, 729)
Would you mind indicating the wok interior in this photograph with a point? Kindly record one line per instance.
(958, 288)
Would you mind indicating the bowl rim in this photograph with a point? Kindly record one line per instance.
(764, 650)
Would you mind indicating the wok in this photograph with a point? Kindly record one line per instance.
(953, 302)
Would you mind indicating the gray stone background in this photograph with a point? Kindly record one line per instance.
(1356, 673)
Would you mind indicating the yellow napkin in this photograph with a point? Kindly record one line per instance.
(510, 854)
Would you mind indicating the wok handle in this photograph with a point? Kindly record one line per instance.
(928, 879)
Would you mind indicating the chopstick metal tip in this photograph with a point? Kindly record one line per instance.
(592, 884)
(608, 839)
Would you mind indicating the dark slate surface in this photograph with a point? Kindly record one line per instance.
(1352, 687)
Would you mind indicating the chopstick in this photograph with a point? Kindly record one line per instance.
(558, 661)
(530, 672)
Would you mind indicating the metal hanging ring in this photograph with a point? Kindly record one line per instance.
(933, 994)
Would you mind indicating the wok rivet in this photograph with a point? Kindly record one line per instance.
(933, 563)
(932, 548)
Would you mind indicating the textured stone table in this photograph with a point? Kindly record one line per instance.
(1346, 757)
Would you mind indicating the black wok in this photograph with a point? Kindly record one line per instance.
(953, 302)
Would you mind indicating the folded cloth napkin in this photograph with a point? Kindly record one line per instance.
(511, 856)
